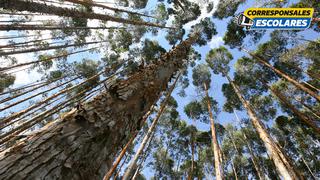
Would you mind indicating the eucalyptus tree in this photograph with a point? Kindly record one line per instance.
(202, 79)
(218, 59)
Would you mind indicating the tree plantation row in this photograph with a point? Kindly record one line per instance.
(158, 89)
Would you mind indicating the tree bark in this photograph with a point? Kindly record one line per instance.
(216, 149)
(283, 75)
(91, 3)
(283, 164)
(133, 164)
(27, 27)
(30, 6)
(44, 60)
(47, 48)
(83, 143)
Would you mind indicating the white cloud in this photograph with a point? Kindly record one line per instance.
(215, 42)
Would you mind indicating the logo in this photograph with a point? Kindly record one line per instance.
(275, 18)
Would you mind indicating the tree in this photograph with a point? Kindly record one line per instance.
(90, 118)
(217, 59)
(202, 78)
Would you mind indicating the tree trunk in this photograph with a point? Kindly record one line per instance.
(48, 48)
(234, 169)
(216, 149)
(84, 142)
(254, 159)
(133, 164)
(190, 177)
(124, 150)
(301, 116)
(35, 95)
(27, 27)
(44, 60)
(283, 75)
(91, 3)
(283, 164)
(20, 5)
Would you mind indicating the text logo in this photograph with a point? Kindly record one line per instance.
(275, 18)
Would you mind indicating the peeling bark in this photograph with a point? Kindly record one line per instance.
(84, 142)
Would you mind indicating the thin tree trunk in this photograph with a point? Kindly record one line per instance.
(133, 164)
(312, 124)
(44, 60)
(254, 158)
(306, 164)
(283, 164)
(40, 117)
(311, 109)
(20, 5)
(84, 142)
(216, 149)
(190, 177)
(35, 95)
(27, 27)
(91, 3)
(18, 114)
(123, 151)
(234, 169)
(48, 48)
(30, 90)
(143, 157)
(119, 170)
(283, 75)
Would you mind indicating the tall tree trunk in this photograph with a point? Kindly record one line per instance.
(285, 76)
(190, 177)
(312, 124)
(84, 142)
(46, 59)
(234, 169)
(133, 164)
(216, 149)
(124, 150)
(91, 3)
(30, 50)
(254, 158)
(28, 27)
(283, 164)
(30, 6)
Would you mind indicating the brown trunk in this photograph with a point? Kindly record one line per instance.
(215, 145)
(44, 60)
(18, 114)
(35, 95)
(254, 158)
(48, 48)
(124, 150)
(27, 27)
(20, 5)
(234, 169)
(311, 109)
(30, 90)
(283, 164)
(84, 142)
(133, 164)
(301, 116)
(9, 135)
(91, 3)
(283, 75)
(192, 159)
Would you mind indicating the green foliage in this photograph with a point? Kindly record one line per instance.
(201, 75)
(219, 59)
(6, 80)
(234, 35)
(227, 8)
(204, 30)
